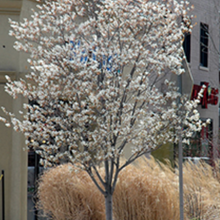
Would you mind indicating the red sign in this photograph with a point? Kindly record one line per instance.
(210, 95)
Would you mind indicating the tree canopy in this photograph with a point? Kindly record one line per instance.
(99, 82)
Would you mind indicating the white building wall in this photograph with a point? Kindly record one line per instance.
(206, 11)
(13, 159)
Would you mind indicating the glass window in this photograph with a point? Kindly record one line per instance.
(187, 46)
(204, 41)
(200, 144)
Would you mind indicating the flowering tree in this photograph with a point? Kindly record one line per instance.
(95, 86)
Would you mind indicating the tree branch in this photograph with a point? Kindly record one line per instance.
(88, 170)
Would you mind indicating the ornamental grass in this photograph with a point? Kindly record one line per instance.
(66, 195)
(146, 190)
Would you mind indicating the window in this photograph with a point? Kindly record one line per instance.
(187, 46)
(204, 41)
(200, 143)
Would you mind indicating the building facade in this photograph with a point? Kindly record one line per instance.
(13, 157)
(202, 52)
(202, 55)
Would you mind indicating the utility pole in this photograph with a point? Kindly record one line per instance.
(180, 154)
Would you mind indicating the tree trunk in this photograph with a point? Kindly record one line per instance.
(108, 207)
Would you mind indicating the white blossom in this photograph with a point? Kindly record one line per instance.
(94, 86)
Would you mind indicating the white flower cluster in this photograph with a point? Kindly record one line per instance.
(93, 85)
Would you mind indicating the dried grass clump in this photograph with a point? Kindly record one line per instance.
(201, 192)
(145, 193)
(147, 190)
(66, 195)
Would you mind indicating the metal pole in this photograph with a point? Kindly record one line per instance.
(181, 176)
(180, 152)
(3, 194)
(36, 174)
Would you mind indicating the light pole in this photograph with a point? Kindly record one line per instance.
(180, 154)
(185, 79)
